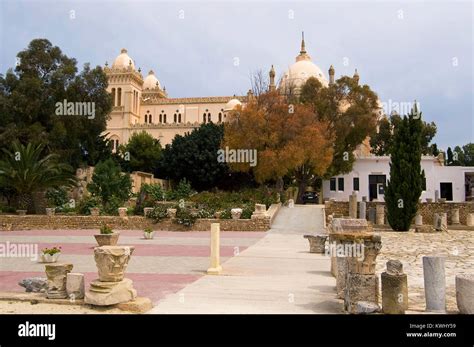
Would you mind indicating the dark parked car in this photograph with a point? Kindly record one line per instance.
(310, 197)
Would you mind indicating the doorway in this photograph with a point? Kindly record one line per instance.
(376, 186)
(446, 190)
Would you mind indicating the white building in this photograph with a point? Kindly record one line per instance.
(370, 174)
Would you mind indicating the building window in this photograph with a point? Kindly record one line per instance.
(113, 97)
(146, 118)
(179, 117)
(220, 118)
(175, 118)
(423, 184)
(119, 97)
(209, 118)
(332, 184)
(204, 118)
(356, 184)
(340, 184)
(161, 118)
(164, 118)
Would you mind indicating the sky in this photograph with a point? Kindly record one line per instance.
(404, 50)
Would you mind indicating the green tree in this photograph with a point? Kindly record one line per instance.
(381, 141)
(468, 151)
(141, 153)
(27, 169)
(110, 185)
(406, 177)
(194, 157)
(30, 96)
(351, 111)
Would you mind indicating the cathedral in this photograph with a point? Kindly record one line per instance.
(143, 104)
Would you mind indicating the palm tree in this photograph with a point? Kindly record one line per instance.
(26, 170)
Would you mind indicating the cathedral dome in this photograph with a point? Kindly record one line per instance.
(123, 60)
(301, 70)
(151, 82)
(232, 104)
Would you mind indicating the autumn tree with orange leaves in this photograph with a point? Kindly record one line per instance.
(288, 139)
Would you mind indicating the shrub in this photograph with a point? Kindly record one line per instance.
(51, 251)
(106, 230)
(84, 205)
(56, 197)
(247, 211)
(226, 214)
(182, 191)
(148, 230)
(185, 216)
(158, 213)
(205, 213)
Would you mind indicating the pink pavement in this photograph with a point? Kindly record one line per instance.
(156, 286)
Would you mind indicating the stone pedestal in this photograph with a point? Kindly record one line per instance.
(353, 205)
(122, 211)
(371, 214)
(171, 212)
(360, 288)
(418, 219)
(465, 293)
(316, 243)
(236, 213)
(435, 283)
(147, 211)
(436, 195)
(291, 203)
(455, 216)
(470, 219)
(56, 274)
(260, 211)
(215, 267)
(362, 210)
(111, 287)
(380, 214)
(341, 276)
(110, 293)
(441, 221)
(394, 289)
(75, 285)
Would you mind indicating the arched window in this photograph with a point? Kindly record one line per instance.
(209, 117)
(175, 118)
(113, 97)
(179, 118)
(204, 118)
(150, 119)
(161, 118)
(146, 118)
(164, 118)
(220, 117)
(119, 97)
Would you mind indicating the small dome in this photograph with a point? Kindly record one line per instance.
(232, 104)
(123, 60)
(151, 82)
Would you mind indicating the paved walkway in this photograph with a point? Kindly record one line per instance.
(275, 275)
(158, 267)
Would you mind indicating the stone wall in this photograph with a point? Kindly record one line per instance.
(426, 209)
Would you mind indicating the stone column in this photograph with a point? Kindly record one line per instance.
(56, 274)
(419, 219)
(111, 287)
(394, 289)
(75, 286)
(260, 211)
(215, 268)
(372, 215)
(455, 216)
(353, 205)
(440, 222)
(362, 284)
(380, 214)
(147, 211)
(465, 293)
(470, 219)
(436, 195)
(362, 210)
(435, 283)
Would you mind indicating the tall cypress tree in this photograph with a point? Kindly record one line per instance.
(406, 177)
